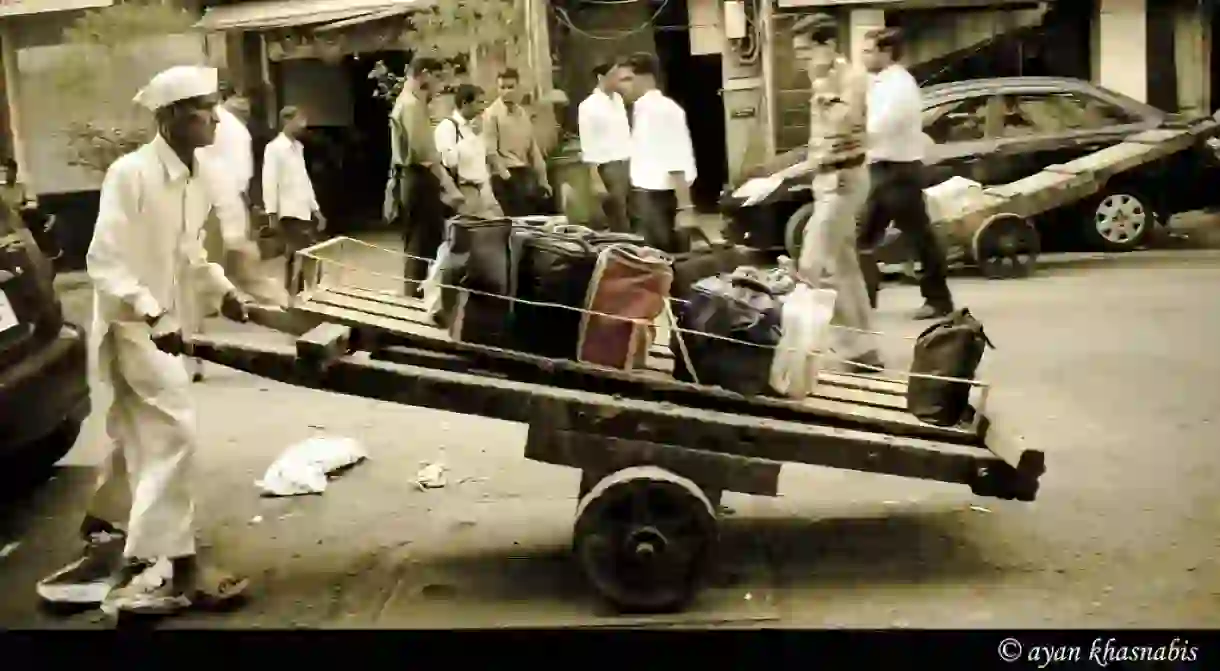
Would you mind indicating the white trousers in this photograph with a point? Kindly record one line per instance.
(829, 252)
(148, 478)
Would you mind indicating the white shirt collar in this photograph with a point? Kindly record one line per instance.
(173, 165)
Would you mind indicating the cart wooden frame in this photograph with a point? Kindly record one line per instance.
(635, 435)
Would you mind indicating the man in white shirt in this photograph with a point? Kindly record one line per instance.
(145, 245)
(662, 160)
(464, 153)
(605, 144)
(226, 233)
(288, 195)
(895, 156)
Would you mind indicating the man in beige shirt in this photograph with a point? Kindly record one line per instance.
(420, 187)
(835, 164)
(519, 177)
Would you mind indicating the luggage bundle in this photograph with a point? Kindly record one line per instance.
(475, 259)
(752, 332)
(627, 292)
(551, 273)
(951, 348)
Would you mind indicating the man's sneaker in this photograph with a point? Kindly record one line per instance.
(89, 579)
(929, 311)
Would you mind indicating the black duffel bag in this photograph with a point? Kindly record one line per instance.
(952, 347)
(730, 306)
(478, 260)
(554, 268)
(695, 265)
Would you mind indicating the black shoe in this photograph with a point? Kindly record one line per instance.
(89, 579)
(929, 311)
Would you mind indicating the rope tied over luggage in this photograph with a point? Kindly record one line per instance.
(644, 256)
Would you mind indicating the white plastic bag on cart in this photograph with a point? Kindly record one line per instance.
(805, 332)
(432, 283)
(951, 197)
(304, 467)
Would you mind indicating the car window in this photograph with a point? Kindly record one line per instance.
(1049, 113)
(957, 121)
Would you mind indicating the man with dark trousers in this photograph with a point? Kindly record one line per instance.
(605, 144)
(896, 151)
(519, 179)
(420, 187)
(662, 161)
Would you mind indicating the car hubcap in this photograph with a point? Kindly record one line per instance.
(1120, 218)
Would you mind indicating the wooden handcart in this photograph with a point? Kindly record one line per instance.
(656, 454)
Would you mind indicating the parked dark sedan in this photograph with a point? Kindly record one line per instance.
(44, 392)
(997, 131)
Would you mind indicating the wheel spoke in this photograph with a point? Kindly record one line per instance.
(640, 513)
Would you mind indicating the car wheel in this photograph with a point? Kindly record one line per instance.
(1121, 220)
(794, 230)
(35, 462)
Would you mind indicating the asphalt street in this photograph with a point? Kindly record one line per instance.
(1108, 364)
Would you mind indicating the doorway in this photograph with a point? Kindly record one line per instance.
(366, 145)
(694, 82)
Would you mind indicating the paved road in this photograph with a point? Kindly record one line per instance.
(1110, 367)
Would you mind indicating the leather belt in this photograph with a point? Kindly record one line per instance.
(845, 164)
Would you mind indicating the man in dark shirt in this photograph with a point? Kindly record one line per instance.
(420, 187)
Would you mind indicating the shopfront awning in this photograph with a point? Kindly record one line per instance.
(313, 14)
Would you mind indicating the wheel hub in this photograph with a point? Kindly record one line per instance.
(1120, 217)
(646, 544)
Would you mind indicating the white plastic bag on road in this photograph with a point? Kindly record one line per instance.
(805, 331)
(304, 467)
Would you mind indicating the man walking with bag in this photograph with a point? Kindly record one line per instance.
(420, 187)
(464, 153)
(895, 164)
(146, 244)
(288, 194)
(605, 145)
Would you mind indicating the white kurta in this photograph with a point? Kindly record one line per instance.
(145, 248)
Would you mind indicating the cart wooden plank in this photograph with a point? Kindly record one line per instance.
(1044, 191)
(1107, 162)
(548, 408)
(879, 416)
(659, 352)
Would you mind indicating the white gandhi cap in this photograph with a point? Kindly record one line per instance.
(180, 82)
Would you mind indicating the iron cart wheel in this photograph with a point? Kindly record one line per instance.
(1006, 246)
(794, 231)
(644, 537)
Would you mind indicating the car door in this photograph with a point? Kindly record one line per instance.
(963, 131)
(1046, 127)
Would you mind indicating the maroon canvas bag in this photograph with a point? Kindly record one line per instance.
(630, 284)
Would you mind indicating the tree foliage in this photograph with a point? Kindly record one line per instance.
(109, 40)
(493, 30)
